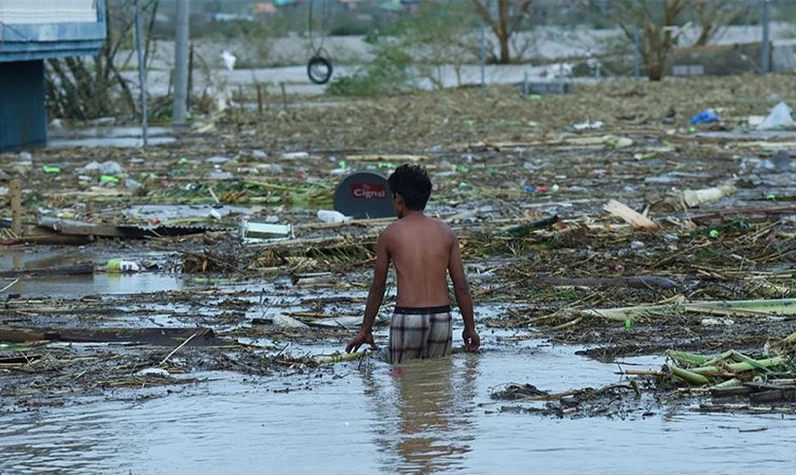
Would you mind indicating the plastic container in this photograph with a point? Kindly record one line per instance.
(119, 265)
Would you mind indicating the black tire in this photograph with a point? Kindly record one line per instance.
(319, 70)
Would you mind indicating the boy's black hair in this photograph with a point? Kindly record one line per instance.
(413, 184)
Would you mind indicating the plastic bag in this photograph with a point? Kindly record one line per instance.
(778, 118)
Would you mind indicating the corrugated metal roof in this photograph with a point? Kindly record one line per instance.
(15, 12)
(63, 35)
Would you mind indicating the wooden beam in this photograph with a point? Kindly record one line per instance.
(15, 191)
(634, 218)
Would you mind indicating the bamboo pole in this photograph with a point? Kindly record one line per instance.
(689, 377)
(738, 367)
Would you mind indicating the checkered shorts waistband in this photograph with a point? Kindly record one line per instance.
(422, 310)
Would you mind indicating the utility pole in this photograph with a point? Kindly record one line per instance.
(180, 105)
(636, 53)
(483, 57)
(765, 51)
(139, 46)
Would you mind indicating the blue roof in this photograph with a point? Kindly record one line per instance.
(27, 42)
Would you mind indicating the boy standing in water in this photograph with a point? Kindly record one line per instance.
(423, 251)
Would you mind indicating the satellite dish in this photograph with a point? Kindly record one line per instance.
(363, 195)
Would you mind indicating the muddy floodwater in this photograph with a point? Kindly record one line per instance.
(433, 417)
(367, 417)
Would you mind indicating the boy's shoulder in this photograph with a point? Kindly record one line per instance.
(401, 226)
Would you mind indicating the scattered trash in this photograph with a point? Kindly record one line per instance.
(119, 265)
(105, 168)
(131, 184)
(588, 125)
(717, 322)
(295, 155)
(284, 321)
(216, 160)
(707, 116)
(694, 198)
(159, 372)
(229, 60)
(331, 216)
(778, 119)
(255, 231)
(617, 142)
(631, 216)
(51, 169)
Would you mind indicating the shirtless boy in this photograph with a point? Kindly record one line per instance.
(423, 250)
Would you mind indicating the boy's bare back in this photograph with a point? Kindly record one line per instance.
(424, 251)
(420, 248)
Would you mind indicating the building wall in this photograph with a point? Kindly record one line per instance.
(32, 31)
(19, 12)
(23, 119)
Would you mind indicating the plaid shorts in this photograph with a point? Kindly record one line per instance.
(420, 333)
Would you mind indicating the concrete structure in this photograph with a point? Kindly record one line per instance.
(31, 32)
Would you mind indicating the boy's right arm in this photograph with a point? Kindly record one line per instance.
(375, 296)
(463, 299)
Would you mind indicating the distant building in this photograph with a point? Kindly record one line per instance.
(264, 8)
(31, 32)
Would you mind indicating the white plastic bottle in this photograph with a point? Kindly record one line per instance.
(328, 216)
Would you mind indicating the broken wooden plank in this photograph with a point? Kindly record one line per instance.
(632, 217)
(525, 228)
(152, 336)
(78, 228)
(747, 212)
(25, 335)
(636, 282)
(15, 191)
(76, 269)
(786, 394)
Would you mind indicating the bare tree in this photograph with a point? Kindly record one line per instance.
(85, 88)
(510, 15)
(659, 22)
(714, 14)
(657, 27)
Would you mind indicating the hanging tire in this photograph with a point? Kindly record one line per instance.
(319, 70)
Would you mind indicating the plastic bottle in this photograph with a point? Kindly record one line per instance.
(332, 216)
(118, 265)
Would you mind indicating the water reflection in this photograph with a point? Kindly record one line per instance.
(428, 409)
